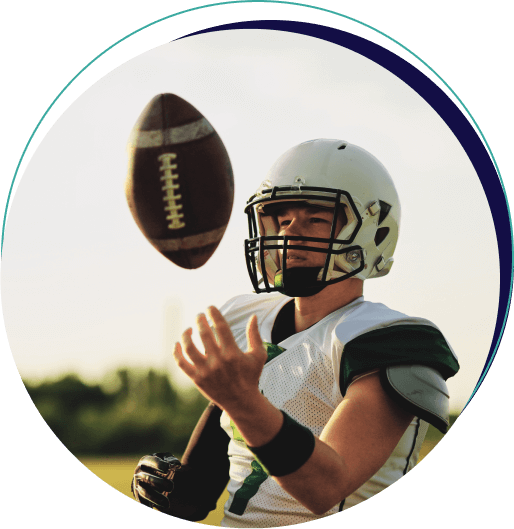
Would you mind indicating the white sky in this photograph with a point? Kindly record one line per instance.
(83, 290)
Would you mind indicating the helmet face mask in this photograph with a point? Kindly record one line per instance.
(359, 186)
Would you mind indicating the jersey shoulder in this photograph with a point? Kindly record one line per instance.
(373, 336)
(368, 316)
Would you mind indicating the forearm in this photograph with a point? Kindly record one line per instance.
(320, 483)
(357, 441)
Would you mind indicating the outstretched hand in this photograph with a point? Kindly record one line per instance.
(224, 374)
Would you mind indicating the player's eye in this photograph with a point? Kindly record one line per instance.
(318, 220)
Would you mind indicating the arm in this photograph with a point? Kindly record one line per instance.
(205, 466)
(197, 485)
(362, 433)
(355, 444)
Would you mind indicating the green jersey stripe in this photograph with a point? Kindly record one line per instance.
(248, 489)
(272, 350)
(259, 474)
(396, 345)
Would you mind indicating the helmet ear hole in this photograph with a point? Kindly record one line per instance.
(381, 235)
(385, 208)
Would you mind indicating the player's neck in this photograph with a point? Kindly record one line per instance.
(310, 310)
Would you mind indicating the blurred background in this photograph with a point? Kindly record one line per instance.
(92, 310)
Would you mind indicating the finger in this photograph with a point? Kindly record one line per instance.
(226, 338)
(160, 463)
(253, 337)
(190, 348)
(181, 361)
(155, 463)
(207, 336)
(153, 497)
(137, 496)
(155, 482)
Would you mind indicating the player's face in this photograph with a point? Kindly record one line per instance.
(308, 221)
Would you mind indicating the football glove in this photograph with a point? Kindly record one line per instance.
(153, 480)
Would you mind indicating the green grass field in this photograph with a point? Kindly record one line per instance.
(118, 471)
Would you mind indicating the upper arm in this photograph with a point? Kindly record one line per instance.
(365, 428)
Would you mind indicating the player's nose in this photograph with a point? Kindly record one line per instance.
(295, 228)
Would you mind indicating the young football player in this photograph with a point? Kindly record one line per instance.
(319, 399)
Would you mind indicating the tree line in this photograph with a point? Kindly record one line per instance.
(136, 414)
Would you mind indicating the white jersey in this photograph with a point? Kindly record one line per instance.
(307, 376)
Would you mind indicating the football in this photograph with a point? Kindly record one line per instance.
(180, 186)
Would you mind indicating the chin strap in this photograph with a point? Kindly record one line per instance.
(298, 282)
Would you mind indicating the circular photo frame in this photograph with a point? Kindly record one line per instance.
(89, 294)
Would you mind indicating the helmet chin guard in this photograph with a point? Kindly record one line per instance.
(327, 174)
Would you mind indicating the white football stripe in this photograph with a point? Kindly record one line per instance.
(187, 243)
(143, 139)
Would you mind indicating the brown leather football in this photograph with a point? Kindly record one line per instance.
(180, 186)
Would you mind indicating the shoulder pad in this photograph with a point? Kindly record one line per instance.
(421, 390)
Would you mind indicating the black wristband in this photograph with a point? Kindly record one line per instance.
(288, 450)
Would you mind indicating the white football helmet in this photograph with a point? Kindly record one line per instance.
(326, 173)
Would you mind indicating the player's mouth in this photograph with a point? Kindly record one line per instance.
(296, 260)
(296, 255)
(303, 258)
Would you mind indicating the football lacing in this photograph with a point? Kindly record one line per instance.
(170, 186)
